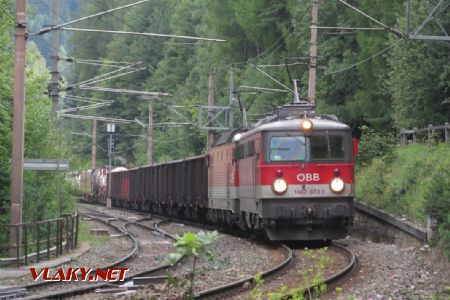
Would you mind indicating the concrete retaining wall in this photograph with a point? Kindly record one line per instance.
(375, 225)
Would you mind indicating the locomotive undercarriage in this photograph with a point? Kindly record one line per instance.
(316, 230)
(307, 219)
(291, 219)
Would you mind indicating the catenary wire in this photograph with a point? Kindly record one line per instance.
(364, 60)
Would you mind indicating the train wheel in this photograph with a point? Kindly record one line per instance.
(186, 213)
(195, 213)
(210, 216)
(256, 221)
(229, 219)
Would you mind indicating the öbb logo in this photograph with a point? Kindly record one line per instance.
(308, 177)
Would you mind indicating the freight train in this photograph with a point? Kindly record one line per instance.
(289, 176)
(93, 183)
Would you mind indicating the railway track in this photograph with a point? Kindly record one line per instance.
(352, 267)
(235, 287)
(349, 269)
(220, 290)
(128, 227)
(71, 289)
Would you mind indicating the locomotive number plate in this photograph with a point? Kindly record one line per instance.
(309, 192)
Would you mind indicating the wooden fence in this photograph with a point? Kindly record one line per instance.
(430, 133)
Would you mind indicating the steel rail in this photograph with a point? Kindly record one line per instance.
(351, 266)
(136, 223)
(235, 284)
(214, 292)
(91, 287)
(239, 283)
(111, 265)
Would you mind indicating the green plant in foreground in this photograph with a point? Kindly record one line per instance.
(311, 280)
(314, 276)
(259, 290)
(195, 246)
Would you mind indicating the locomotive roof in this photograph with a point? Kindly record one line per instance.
(286, 118)
(273, 123)
(293, 124)
(226, 137)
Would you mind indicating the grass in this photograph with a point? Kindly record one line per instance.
(313, 276)
(399, 183)
(412, 181)
(87, 237)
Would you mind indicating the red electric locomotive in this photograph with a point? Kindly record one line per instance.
(290, 176)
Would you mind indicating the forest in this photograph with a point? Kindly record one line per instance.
(371, 78)
(368, 78)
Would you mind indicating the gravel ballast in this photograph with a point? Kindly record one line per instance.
(235, 258)
(390, 272)
(387, 271)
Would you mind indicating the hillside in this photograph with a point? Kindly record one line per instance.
(371, 78)
(413, 182)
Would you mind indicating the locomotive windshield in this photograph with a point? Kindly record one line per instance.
(287, 148)
(327, 146)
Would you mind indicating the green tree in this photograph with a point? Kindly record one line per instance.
(419, 83)
(41, 137)
(407, 83)
(418, 78)
(6, 100)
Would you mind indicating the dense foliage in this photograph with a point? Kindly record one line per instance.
(42, 138)
(373, 80)
(412, 181)
(6, 92)
(438, 204)
(370, 78)
(374, 144)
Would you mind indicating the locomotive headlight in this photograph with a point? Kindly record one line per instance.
(307, 126)
(279, 186)
(337, 185)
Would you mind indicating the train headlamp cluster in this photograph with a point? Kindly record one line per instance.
(337, 185)
(279, 186)
(306, 125)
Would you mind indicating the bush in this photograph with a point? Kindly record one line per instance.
(374, 144)
(414, 181)
(370, 183)
(400, 183)
(438, 205)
